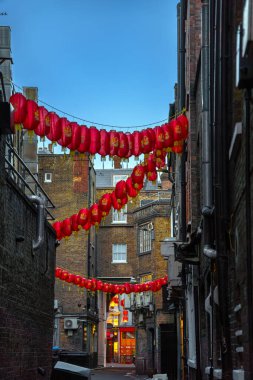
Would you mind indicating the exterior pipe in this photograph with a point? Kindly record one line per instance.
(40, 224)
(248, 222)
(209, 252)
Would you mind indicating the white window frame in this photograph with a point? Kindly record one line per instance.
(48, 179)
(118, 177)
(119, 217)
(144, 239)
(118, 249)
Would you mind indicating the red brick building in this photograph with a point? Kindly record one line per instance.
(129, 250)
(71, 184)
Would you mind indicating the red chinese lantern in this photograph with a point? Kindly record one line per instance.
(123, 145)
(75, 222)
(70, 278)
(147, 143)
(66, 227)
(114, 143)
(164, 280)
(54, 133)
(18, 102)
(76, 135)
(87, 226)
(105, 204)
(138, 175)
(158, 285)
(89, 284)
(150, 164)
(104, 143)
(32, 118)
(152, 176)
(105, 287)
(83, 216)
(168, 136)
(127, 288)
(110, 288)
(77, 280)
(137, 143)
(120, 190)
(159, 138)
(58, 272)
(66, 132)
(115, 204)
(153, 286)
(153, 136)
(177, 130)
(183, 121)
(99, 285)
(125, 316)
(130, 140)
(64, 274)
(42, 128)
(83, 283)
(146, 286)
(57, 228)
(94, 284)
(94, 141)
(84, 139)
(178, 147)
(95, 214)
(117, 289)
(131, 190)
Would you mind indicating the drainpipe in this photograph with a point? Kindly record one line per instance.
(207, 184)
(248, 222)
(40, 222)
(221, 119)
(182, 160)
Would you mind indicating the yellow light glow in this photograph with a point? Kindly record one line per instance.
(115, 347)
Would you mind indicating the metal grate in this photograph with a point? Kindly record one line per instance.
(18, 172)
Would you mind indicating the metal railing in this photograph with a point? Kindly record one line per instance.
(18, 172)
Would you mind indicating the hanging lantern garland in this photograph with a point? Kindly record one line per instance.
(168, 137)
(94, 285)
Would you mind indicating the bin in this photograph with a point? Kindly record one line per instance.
(67, 371)
(140, 364)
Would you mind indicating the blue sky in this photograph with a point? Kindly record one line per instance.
(109, 61)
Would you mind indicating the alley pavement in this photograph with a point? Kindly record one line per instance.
(111, 373)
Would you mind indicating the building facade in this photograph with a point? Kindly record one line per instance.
(213, 197)
(71, 183)
(129, 251)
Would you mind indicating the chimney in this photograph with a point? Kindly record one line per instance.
(117, 162)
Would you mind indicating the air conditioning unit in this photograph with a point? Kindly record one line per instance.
(138, 300)
(70, 324)
(174, 269)
(147, 299)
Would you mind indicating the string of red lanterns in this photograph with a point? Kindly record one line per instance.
(117, 199)
(37, 119)
(94, 285)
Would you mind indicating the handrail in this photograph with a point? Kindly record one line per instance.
(39, 190)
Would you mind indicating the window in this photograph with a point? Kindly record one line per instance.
(119, 253)
(48, 177)
(145, 238)
(117, 178)
(120, 216)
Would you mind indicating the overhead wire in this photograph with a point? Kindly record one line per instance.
(97, 123)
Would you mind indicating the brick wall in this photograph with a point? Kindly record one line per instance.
(26, 287)
(70, 190)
